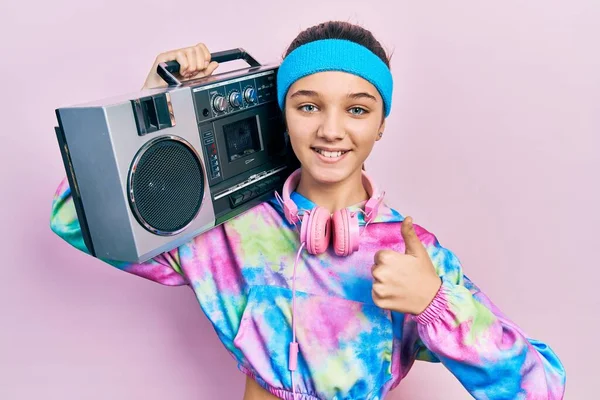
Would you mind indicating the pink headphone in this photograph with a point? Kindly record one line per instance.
(317, 225)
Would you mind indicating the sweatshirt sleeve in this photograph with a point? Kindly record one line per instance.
(489, 354)
(164, 268)
(205, 264)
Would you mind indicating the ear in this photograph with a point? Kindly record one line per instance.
(381, 129)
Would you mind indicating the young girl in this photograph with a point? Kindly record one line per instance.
(325, 292)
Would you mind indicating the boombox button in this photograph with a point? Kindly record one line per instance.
(255, 190)
(247, 194)
(270, 181)
(236, 199)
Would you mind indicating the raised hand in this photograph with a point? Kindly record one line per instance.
(194, 63)
(408, 282)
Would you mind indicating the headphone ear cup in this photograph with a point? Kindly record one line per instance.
(353, 233)
(341, 230)
(345, 232)
(316, 230)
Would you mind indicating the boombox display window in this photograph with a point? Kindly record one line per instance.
(242, 138)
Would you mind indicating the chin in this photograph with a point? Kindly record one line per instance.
(328, 174)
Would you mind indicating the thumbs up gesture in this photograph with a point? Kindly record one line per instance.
(408, 282)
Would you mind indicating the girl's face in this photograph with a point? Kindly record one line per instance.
(333, 119)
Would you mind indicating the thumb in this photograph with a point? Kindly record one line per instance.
(414, 247)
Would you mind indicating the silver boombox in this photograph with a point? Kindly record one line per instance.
(151, 170)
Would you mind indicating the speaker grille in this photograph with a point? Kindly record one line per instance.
(166, 185)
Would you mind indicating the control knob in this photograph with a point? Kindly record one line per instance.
(250, 95)
(235, 99)
(219, 103)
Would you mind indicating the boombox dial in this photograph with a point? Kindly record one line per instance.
(235, 99)
(250, 95)
(219, 103)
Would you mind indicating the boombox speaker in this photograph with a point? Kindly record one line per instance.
(151, 170)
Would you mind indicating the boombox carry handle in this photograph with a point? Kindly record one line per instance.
(166, 70)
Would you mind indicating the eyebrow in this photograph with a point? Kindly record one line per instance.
(308, 93)
(312, 93)
(361, 95)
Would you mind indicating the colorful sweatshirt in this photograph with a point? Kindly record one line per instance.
(349, 348)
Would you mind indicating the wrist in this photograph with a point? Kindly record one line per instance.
(428, 293)
(437, 304)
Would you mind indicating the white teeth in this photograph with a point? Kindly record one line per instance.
(330, 154)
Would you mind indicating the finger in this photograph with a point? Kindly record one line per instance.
(190, 53)
(376, 273)
(413, 245)
(385, 257)
(200, 59)
(181, 58)
(211, 68)
(207, 57)
(375, 297)
(379, 292)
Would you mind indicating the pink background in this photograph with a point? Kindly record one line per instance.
(493, 144)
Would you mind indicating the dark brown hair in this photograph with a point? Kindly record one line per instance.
(340, 30)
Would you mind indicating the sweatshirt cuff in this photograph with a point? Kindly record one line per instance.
(436, 307)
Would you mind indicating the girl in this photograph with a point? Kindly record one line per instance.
(325, 292)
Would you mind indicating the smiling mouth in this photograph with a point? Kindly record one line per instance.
(330, 154)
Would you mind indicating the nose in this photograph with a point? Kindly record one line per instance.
(331, 128)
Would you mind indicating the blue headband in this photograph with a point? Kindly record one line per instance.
(335, 55)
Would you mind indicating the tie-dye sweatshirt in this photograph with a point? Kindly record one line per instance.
(241, 274)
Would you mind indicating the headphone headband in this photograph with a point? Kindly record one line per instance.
(290, 209)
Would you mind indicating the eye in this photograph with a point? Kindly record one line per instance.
(358, 111)
(308, 108)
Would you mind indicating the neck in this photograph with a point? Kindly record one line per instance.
(333, 196)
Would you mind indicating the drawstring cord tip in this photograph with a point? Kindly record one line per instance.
(293, 361)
